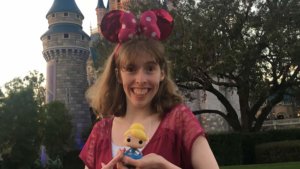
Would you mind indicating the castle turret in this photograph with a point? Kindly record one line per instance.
(100, 12)
(114, 4)
(66, 49)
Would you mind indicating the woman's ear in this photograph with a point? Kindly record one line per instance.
(162, 75)
(118, 75)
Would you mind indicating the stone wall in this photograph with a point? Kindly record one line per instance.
(281, 124)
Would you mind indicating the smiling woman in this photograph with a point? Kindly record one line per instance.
(135, 87)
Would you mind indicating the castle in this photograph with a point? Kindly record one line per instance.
(66, 48)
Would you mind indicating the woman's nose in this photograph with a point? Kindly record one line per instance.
(140, 77)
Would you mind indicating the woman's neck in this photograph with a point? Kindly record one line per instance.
(138, 114)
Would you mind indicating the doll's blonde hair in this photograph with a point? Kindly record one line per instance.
(137, 130)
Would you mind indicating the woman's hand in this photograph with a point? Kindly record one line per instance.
(150, 161)
(114, 161)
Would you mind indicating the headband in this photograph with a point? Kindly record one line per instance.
(119, 26)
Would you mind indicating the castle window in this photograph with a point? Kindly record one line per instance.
(53, 15)
(67, 95)
(48, 37)
(82, 37)
(66, 35)
(66, 14)
(77, 16)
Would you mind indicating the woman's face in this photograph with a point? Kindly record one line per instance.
(140, 80)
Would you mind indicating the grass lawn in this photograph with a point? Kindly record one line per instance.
(289, 165)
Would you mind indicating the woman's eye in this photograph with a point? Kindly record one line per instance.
(129, 68)
(150, 68)
(140, 142)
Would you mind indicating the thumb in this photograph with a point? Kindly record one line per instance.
(130, 161)
(103, 165)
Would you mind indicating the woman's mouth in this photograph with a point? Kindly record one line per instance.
(140, 91)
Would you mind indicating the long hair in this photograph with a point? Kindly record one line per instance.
(107, 96)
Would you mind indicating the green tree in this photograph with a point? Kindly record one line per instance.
(26, 123)
(19, 126)
(250, 46)
(100, 50)
(56, 129)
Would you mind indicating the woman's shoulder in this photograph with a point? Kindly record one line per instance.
(102, 126)
(178, 114)
(183, 119)
(180, 110)
(103, 122)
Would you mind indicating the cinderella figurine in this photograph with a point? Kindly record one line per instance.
(135, 138)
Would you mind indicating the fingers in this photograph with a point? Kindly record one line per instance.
(130, 162)
(103, 165)
(114, 161)
(120, 165)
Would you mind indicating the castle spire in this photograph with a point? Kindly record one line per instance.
(100, 12)
(107, 5)
(100, 4)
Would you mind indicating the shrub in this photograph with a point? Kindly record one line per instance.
(281, 151)
(227, 148)
(239, 148)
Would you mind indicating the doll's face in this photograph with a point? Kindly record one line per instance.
(134, 142)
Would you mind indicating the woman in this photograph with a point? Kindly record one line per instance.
(135, 87)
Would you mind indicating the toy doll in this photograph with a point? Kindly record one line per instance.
(135, 139)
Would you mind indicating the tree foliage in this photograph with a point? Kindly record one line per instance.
(19, 128)
(26, 122)
(101, 49)
(250, 46)
(56, 129)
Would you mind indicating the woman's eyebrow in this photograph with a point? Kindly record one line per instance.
(151, 63)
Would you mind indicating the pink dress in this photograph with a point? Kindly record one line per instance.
(173, 139)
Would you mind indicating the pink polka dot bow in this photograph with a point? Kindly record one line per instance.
(119, 26)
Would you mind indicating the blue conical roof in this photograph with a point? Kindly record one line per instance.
(107, 5)
(100, 4)
(64, 6)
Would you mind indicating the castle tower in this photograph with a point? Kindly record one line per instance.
(66, 49)
(113, 4)
(100, 12)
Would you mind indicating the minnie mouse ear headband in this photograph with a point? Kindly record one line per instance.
(119, 26)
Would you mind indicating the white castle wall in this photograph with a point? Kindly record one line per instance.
(213, 123)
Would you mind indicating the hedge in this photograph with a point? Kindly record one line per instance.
(280, 151)
(239, 148)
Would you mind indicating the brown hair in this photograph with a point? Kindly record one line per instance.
(107, 96)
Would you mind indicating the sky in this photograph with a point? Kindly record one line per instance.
(22, 24)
